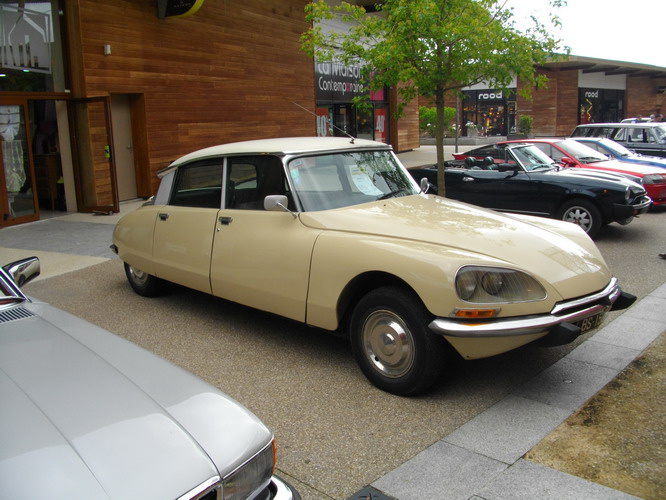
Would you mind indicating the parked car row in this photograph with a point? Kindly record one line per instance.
(520, 178)
(571, 153)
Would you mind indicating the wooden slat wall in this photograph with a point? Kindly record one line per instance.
(230, 72)
(642, 96)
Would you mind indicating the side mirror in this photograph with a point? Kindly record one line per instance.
(23, 271)
(276, 203)
(568, 162)
(507, 167)
(425, 185)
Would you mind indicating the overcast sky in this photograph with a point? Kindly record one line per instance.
(619, 30)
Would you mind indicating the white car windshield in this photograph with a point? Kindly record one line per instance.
(344, 179)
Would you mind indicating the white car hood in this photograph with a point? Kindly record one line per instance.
(85, 412)
(557, 251)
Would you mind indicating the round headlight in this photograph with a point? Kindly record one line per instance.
(492, 283)
(496, 285)
(466, 285)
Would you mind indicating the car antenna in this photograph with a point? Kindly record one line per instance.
(329, 122)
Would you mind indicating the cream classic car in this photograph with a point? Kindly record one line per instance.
(334, 233)
(85, 414)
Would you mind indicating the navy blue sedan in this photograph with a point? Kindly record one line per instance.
(619, 152)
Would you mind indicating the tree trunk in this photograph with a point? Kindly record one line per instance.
(439, 140)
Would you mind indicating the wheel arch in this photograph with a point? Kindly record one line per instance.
(360, 286)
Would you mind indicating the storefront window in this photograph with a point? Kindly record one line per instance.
(336, 87)
(600, 105)
(31, 55)
(485, 112)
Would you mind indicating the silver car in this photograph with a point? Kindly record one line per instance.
(85, 414)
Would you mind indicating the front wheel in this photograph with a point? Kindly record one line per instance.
(392, 343)
(143, 283)
(582, 213)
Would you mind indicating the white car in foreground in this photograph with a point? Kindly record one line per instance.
(87, 415)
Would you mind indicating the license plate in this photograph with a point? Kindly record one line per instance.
(591, 323)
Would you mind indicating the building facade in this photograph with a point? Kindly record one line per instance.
(96, 96)
(579, 90)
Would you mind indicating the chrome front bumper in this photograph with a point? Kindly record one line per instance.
(567, 312)
(281, 490)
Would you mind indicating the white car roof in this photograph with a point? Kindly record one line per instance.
(281, 146)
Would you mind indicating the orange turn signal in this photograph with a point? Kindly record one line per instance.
(476, 313)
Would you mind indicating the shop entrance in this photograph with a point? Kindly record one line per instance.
(18, 193)
(94, 163)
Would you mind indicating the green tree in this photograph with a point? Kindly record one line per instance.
(431, 47)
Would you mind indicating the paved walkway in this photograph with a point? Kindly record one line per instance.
(482, 458)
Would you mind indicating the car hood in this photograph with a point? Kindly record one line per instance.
(629, 167)
(557, 251)
(620, 179)
(88, 413)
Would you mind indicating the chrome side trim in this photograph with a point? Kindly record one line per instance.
(534, 324)
(204, 487)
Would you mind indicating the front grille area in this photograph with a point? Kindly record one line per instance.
(15, 314)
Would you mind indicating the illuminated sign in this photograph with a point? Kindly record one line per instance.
(177, 8)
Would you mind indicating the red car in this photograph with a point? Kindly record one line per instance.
(571, 153)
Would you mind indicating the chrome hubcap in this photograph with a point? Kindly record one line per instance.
(388, 343)
(579, 216)
(139, 277)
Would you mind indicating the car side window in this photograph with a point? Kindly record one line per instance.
(549, 150)
(251, 178)
(198, 185)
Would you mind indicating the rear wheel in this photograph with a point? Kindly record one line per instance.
(392, 343)
(143, 283)
(582, 213)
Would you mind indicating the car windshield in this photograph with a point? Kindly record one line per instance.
(348, 178)
(532, 158)
(616, 148)
(581, 152)
(660, 133)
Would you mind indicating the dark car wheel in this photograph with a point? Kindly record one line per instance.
(392, 343)
(583, 213)
(143, 283)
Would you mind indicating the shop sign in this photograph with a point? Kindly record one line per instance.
(338, 82)
(323, 122)
(25, 39)
(177, 8)
(380, 125)
(490, 95)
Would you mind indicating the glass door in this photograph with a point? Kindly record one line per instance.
(18, 197)
(94, 163)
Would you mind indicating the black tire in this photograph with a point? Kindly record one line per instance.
(143, 283)
(392, 343)
(583, 213)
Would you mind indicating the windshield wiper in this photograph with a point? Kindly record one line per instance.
(389, 195)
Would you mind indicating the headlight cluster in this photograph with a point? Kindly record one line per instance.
(251, 476)
(654, 179)
(492, 285)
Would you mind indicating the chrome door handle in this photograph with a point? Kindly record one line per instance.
(468, 179)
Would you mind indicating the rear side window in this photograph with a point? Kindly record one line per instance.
(198, 185)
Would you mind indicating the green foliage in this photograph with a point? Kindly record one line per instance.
(428, 120)
(525, 124)
(431, 47)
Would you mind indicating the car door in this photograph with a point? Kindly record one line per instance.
(185, 227)
(511, 191)
(260, 258)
